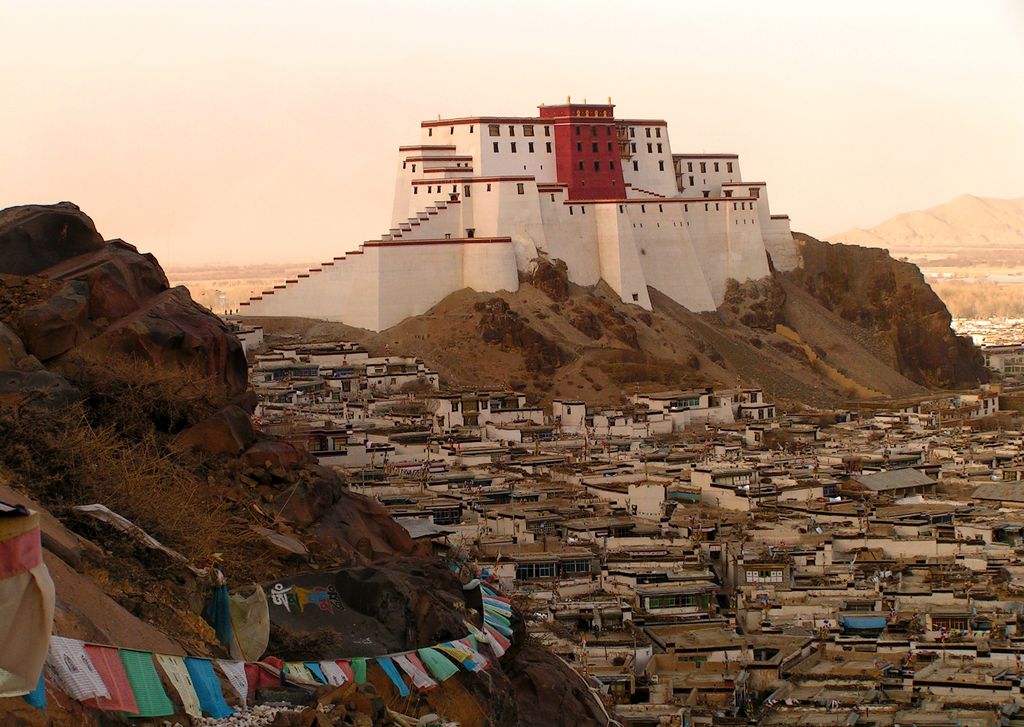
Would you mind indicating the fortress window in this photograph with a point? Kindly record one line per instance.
(414, 167)
(528, 130)
(728, 167)
(686, 208)
(495, 147)
(659, 148)
(650, 147)
(611, 165)
(689, 168)
(597, 166)
(643, 208)
(657, 132)
(733, 205)
(691, 180)
(455, 189)
(716, 166)
(471, 128)
(488, 187)
(593, 147)
(707, 193)
(583, 209)
(547, 145)
(529, 147)
(577, 131)
(632, 147)
(716, 206)
(471, 232)
(636, 297)
(648, 130)
(451, 129)
(581, 165)
(570, 209)
(727, 192)
(430, 132)
(755, 192)
(466, 189)
(661, 165)
(552, 198)
(660, 208)
(547, 131)
(403, 165)
(636, 166)
(705, 204)
(513, 145)
(493, 130)
(520, 188)
(511, 131)
(621, 209)
(703, 167)
(609, 146)
(579, 146)
(632, 132)
(593, 131)
(415, 189)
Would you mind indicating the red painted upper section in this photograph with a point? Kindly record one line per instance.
(586, 150)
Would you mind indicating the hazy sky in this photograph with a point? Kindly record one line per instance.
(268, 131)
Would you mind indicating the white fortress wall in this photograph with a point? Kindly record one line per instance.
(747, 257)
(650, 167)
(571, 238)
(707, 230)
(413, 276)
(489, 267)
(518, 216)
(666, 254)
(539, 163)
(620, 258)
(708, 173)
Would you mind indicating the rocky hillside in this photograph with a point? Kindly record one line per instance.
(851, 324)
(116, 389)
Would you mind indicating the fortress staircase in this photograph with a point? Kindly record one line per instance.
(655, 195)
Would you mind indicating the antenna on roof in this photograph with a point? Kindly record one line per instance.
(568, 99)
(609, 100)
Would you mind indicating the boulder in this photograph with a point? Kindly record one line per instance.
(34, 237)
(274, 454)
(42, 389)
(57, 325)
(229, 431)
(173, 330)
(12, 350)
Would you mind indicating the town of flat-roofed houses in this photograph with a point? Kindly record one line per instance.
(702, 556)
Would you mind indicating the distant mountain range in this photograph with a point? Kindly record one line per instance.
(966, 223)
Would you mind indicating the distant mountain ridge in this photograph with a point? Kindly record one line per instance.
(964, 223)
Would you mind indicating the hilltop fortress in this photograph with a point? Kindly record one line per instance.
(479, 199)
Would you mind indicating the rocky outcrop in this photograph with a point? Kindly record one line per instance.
(35, 237)
(870, 289)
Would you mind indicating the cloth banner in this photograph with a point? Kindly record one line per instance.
(441, 668)
(498, 642)
(250, 623)
(207, 686)
(316, 671)
(109, 666)
(174, 668)
(235, 672)
(149, 692)
(359, 670)
(260, 675)
(298, 673)
(70, 668)
(26, 602)
(333, 673)
(37, 697)
(218, 614)
(414, 668)
(346, 668)
(389, 668)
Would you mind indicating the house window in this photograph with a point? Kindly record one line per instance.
(727, 192)
(520, 188)
(528, 130)
(632, 132)
(529, 147)
(728, 167)
(659, 148)
(657, 132)
(689, 168)
(493, 130)
(632, 147)
(513, 145)
(661, 165)
(650, 147)
(527, 571)
(511, 131)
(547, 146)
(547, 131)
(575, 566)
(716, 166)
(648, 130)
(703, 167)
(495, 147)
(636, 166)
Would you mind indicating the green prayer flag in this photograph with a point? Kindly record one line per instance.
(359, 670)
(146, 685)
(439, 665)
